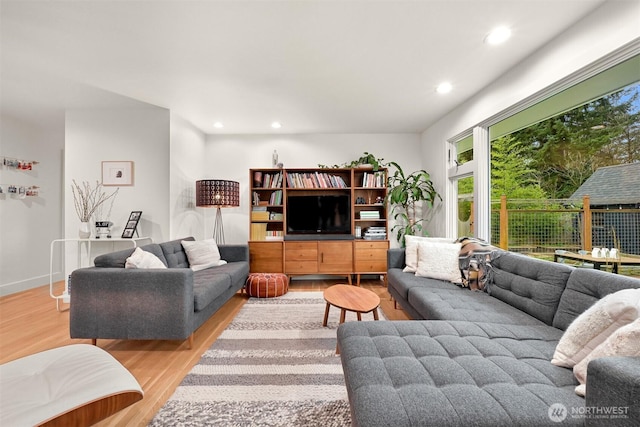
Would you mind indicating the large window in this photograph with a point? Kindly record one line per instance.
(547, 150)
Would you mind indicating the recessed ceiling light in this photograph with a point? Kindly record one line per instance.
(444, 87)
(218, 125)
(498, 35)
(276, 125)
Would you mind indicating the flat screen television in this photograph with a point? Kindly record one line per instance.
(322, 214)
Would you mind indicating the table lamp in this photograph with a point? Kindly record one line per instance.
(218, 193)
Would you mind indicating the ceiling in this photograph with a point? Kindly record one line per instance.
(316, 66)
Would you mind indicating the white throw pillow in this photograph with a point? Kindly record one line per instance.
(202, 254)
(595, 325)
(411, 250)
(439, 260)
(623, 342)
(143, 259)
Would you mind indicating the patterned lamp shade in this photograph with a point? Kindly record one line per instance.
(217, 193)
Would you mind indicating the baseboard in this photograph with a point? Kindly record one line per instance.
(24, 285)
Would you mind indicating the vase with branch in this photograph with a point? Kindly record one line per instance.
(87, 199)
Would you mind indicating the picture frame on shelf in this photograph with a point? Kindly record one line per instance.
(132, 224)
(118, 173)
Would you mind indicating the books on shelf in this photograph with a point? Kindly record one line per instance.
(260, 213)
(274, 199)
(373, 179)
(369, 214)
(375, 233)
(314, 180)
(259, 232)
(267, 180)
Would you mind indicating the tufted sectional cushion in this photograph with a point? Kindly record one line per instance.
(584, 288)
(454, 303)
(174, 253)
(528, 284)
(453, 373)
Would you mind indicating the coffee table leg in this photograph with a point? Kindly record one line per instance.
(326, 315)
(359, 316)
(375, 313)
(343, 312)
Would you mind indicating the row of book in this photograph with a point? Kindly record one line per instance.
(267, 180)
(259, 232)
(275, 199)
(374, 179)
(314, 180)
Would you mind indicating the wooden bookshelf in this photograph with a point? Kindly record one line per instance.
(363, 252)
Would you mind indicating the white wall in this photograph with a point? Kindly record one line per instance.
(139, 135)
(231, 156)
(608, 28)
(28, 225)
(187, 164)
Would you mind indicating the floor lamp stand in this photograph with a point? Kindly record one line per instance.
(218, 228)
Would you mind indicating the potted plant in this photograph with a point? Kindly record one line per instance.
(406, 195)
(87, 200)
(365, 160)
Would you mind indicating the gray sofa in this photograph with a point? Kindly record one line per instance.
(111, 302)
(483, 358)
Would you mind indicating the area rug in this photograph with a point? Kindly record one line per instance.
(274, 365)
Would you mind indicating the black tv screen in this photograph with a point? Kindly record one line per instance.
(322, 214)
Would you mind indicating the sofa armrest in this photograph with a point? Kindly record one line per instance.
(234, 253)
(613, 384)
(395, 258)
(121, 303)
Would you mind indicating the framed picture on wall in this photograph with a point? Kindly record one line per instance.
(132, 224)
(117, 173)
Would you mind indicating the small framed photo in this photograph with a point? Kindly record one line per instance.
(117, 173)
(132, 224)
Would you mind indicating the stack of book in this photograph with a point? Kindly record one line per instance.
(375, 233)
(259, 213)
(369, 214)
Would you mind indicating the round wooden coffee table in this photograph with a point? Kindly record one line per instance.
(350, 298)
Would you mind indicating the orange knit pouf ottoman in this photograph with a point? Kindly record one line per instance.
(267, 285)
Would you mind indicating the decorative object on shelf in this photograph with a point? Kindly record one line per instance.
(84, 232)
(117, 173)
(103, 229)
(86, 199)
(274, 159)
(23, 165)
(407, 193)
(217, 193)
(366, 160)
(132, 225)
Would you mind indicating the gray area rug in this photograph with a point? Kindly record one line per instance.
(274, 365)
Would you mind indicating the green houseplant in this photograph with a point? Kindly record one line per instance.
(365, 159)
(406, 195)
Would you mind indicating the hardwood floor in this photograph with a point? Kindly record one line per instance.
(29, 323)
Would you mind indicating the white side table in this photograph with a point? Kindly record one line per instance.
(86, 244)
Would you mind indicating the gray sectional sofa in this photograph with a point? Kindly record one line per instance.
(112, 302)
(483, 358)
